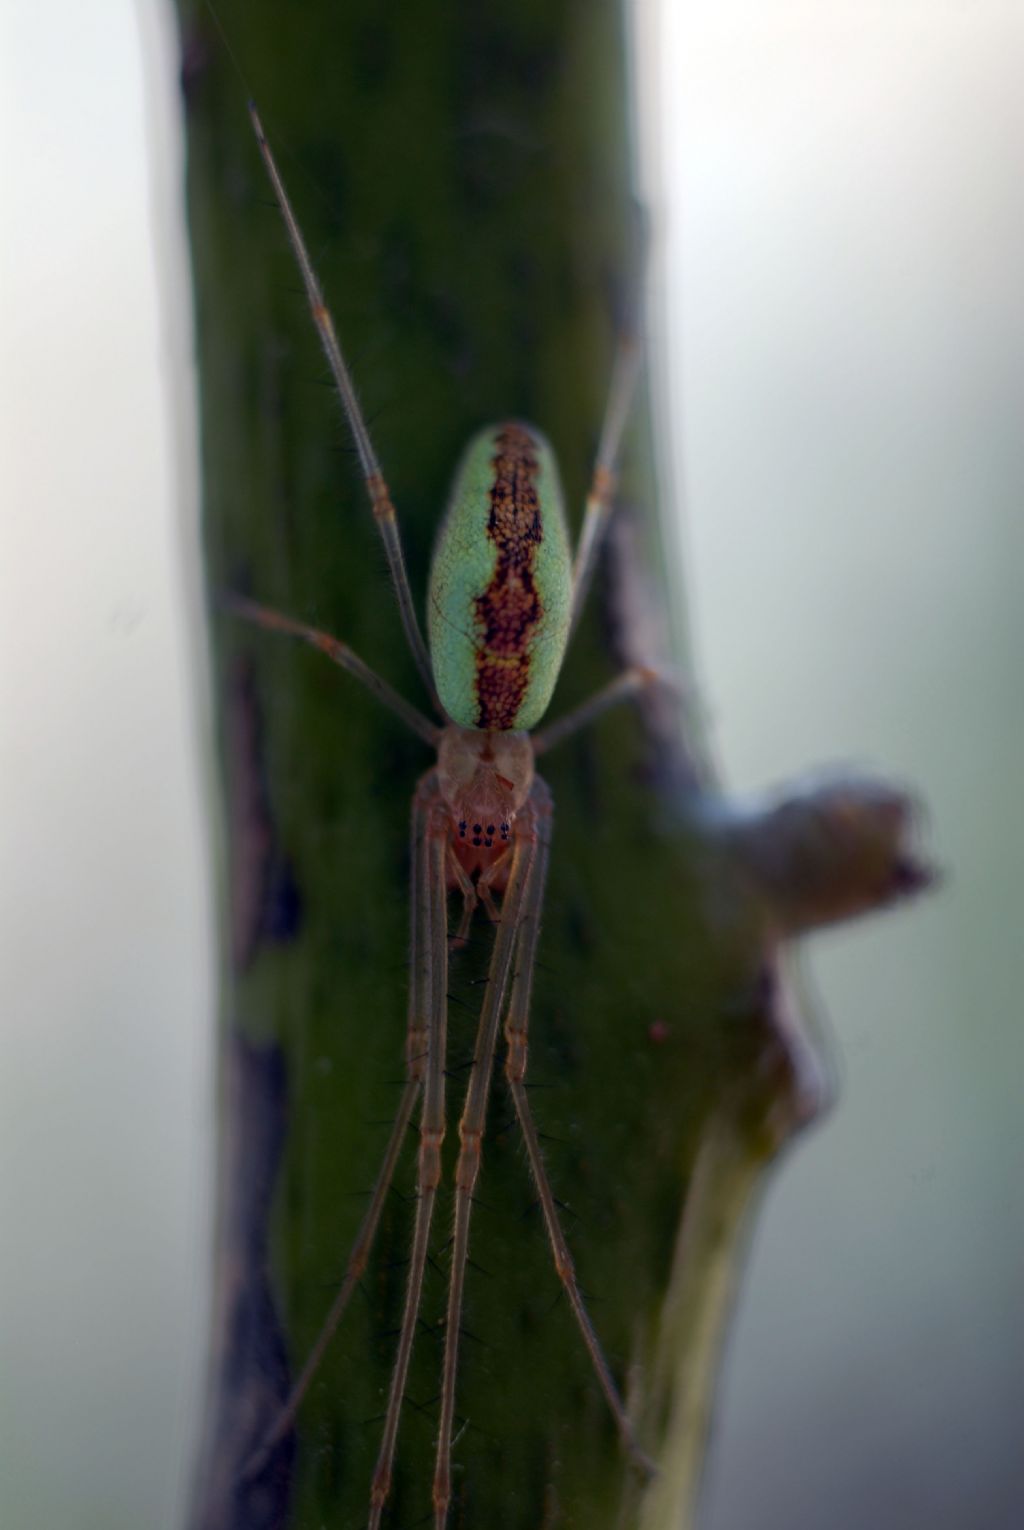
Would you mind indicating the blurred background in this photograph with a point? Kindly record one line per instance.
(837, 333)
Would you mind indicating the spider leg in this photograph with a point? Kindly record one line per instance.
(639, 677)
(380, 499)
(516, 1029)
(471, 1126)
(341, 654)
(602, 485)
(418, 1048)
(497, 868)
(469, 897)
(430, 927)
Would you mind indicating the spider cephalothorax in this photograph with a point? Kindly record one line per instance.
(485, 778)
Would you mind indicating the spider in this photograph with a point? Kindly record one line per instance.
(504, 597)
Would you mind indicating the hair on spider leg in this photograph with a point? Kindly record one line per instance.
(404, 1197)
(290, 290)
(474, 1338)
(409, 1196)
(432, 1264)
(480, 1205)
(506, 1126)
(358, 1195)
(546, 968)
(364, 1293)
(555, 1302)
(559, 1297)
(398, 1083)
(343, 450)
(471, 942)
(466, 1425)
(569, 1211)
(341, 447)
(382, 1335)
(458, 1068)
(432, 1327)
(380, 1121)
(425, 1409)
(566, 1211)
(370, 1421)
(555, 1141)
(260, 200)
(389, 1267)
(453, 998)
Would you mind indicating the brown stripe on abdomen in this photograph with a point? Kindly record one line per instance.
(510, 609)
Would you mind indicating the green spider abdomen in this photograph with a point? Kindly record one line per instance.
(501, 582)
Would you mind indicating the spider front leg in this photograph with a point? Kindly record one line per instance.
(341, 654)
(380, 500)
